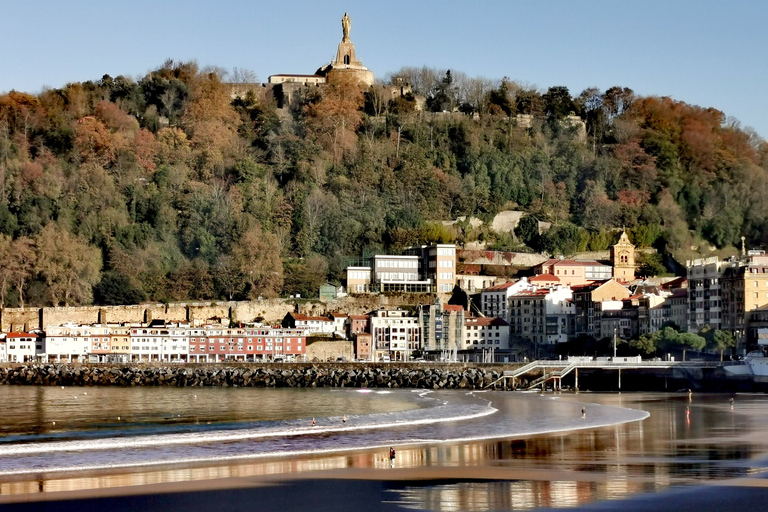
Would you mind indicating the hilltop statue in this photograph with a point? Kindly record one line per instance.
(346, 25)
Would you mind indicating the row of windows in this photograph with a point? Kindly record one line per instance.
(397, 264)
(396, 276)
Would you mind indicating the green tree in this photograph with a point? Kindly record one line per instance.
(645, 344)
(558, 103)
(651, 264)
(527, 230)
(723, 340)
(689, 340)
(116, 288)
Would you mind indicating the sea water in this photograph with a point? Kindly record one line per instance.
(49, 430)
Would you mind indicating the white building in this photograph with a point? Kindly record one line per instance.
(494, 300)
(340, 322)
(176, 343)
(395, 335)
(21, 347)
(68, 342)
(147, 342)
(310, 324)
(485, 332)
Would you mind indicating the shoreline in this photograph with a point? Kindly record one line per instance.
(317, 482)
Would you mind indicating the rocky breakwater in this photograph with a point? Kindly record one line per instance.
(273, 376)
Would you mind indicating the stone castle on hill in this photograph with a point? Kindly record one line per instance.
(284, 86)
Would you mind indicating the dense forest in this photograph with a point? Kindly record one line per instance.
(165, 188)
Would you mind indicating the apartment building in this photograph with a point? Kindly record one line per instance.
(543, 316)
(251, 343)
(705, 299)
(744, 286)
(588, 312)
(422, 269)
(481, 333)
(68, 342)
(395, 335)
(442, 328)
(119, 342)
(494, 300)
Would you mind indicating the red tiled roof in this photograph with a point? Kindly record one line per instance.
(299, 316)
(358, 317)
(533, 293)
(675, 283)
(573, 263)
(544, 278)
(452, 307)
(484, 320)
(498, 287)
(20, 335)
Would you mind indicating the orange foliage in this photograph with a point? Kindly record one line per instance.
(334, 120)
(95, 143)
(115, 118)
(145, 148)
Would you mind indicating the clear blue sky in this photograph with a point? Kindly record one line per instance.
(705, 52)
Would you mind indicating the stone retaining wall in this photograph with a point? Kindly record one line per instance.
(276, 375)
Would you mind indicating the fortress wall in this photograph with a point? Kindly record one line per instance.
(272, 311)
(19, 319)
(330, 350)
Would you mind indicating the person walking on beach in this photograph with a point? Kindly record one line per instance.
(392, 457)
(344, 419)
(313, 422)
(583, 412)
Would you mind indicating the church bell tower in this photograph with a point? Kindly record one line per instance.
(623, 259)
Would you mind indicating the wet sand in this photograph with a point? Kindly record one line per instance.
(689, 455)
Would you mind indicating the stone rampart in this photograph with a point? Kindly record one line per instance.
(330, 350)
(269, 311)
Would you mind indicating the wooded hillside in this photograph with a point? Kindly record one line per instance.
(118, 191)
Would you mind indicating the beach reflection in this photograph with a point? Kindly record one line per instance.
(681, 443)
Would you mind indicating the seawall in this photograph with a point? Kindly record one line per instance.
(275, 375)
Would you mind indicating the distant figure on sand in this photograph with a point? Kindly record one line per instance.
(731, 402)
(313, 422)
(344, 419)
(583, 412)
(690, 395)
(392, 457)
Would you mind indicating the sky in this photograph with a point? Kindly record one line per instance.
(704, 52)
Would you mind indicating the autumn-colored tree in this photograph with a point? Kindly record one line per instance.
(259, 263)
(95, 143)
(145, 148)
(173, 146)
(22, 264)
(334, 119)
(210, 119)
(68, 266)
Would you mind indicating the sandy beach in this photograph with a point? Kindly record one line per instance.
(712, 462)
